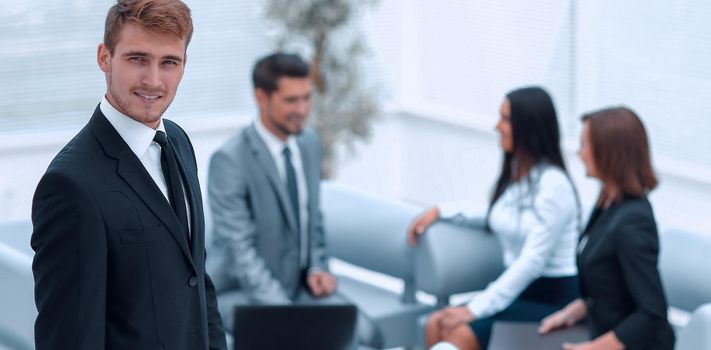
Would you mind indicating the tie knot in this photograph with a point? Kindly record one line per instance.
(287, 152)
(161, 138)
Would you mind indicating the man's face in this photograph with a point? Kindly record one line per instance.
(284, 112)
(143, 74)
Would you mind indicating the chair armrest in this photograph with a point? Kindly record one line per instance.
(474, 223)
(16, 299)
(368, 230)
(697, 333)
(684, 268)
(453, 259)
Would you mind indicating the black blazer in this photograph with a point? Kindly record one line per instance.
(112, 268)
(618, 276)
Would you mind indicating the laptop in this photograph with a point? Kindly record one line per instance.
(327, 327)
(524, 335)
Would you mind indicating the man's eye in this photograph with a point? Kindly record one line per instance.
(170, 62)
(136, 59)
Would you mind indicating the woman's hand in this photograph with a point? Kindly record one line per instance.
(568, 316)
(578, 346)
(453, 317)
(556, 320)
(420, 224)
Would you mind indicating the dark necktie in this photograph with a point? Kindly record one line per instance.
(171, 173)
(291, 187)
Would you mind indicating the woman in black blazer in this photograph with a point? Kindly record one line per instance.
(621, 291)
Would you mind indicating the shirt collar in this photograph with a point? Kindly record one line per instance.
(274, 144)
(137, 135)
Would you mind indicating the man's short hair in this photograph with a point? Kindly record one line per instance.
(269, 69)
(170, 17)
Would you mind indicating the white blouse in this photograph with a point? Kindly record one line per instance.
(536, 223)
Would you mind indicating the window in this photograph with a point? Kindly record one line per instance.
(468, 54)
(458, 58)
(655, 58)
(50, 78)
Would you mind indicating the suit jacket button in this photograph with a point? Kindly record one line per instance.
(192, 281)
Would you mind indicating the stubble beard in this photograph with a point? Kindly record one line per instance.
(124, 106)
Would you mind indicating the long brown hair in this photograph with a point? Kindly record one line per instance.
(620, 149)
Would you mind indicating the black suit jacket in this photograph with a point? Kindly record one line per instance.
(112, 268)
(619, 279)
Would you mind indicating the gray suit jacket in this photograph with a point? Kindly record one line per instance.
(255, 246)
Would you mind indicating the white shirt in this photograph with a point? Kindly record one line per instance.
(139, 138)
(276, 149)
(537, 227)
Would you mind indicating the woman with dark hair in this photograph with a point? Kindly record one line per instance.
(621, 291)
(534, 213)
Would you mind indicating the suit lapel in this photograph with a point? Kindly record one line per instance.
(311, 174)
(266, 161)
(596, 230)
(192, 192)
(132, 171)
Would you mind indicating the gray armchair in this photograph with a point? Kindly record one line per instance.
(369, 232)
(454, 259)
(685, 267)
(17, 307)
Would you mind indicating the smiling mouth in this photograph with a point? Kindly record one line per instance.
(147, 96)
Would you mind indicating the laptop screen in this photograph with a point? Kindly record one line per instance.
(328, 327)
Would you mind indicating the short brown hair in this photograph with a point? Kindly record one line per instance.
(158, 16)
(621, 151)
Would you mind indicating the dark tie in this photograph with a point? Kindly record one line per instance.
(169, 166)
(291, 187)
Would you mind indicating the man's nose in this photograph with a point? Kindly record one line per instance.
(151, 76)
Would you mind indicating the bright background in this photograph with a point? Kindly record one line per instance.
(442, 68)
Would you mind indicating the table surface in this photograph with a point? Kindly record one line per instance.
(524, 335)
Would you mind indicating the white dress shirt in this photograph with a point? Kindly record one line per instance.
(139, 138)
(276, 149)
(536, 223)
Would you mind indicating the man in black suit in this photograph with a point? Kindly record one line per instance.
(118, 220)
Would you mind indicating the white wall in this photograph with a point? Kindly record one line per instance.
(449, 66)
(444, 69)
(25, 156)
(411, 157)
(20, 170)
(427, 161)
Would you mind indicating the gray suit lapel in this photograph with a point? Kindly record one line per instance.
(266, 161)
(310, 172)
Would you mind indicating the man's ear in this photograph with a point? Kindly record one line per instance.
(262, 98)
(103, 56)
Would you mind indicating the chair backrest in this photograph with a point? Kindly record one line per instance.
(16, 234)
(367, 230)
(685, 268)
(17, 306)
(697, 333)
(454, 259)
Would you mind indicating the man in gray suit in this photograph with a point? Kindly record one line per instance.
(268, 243)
